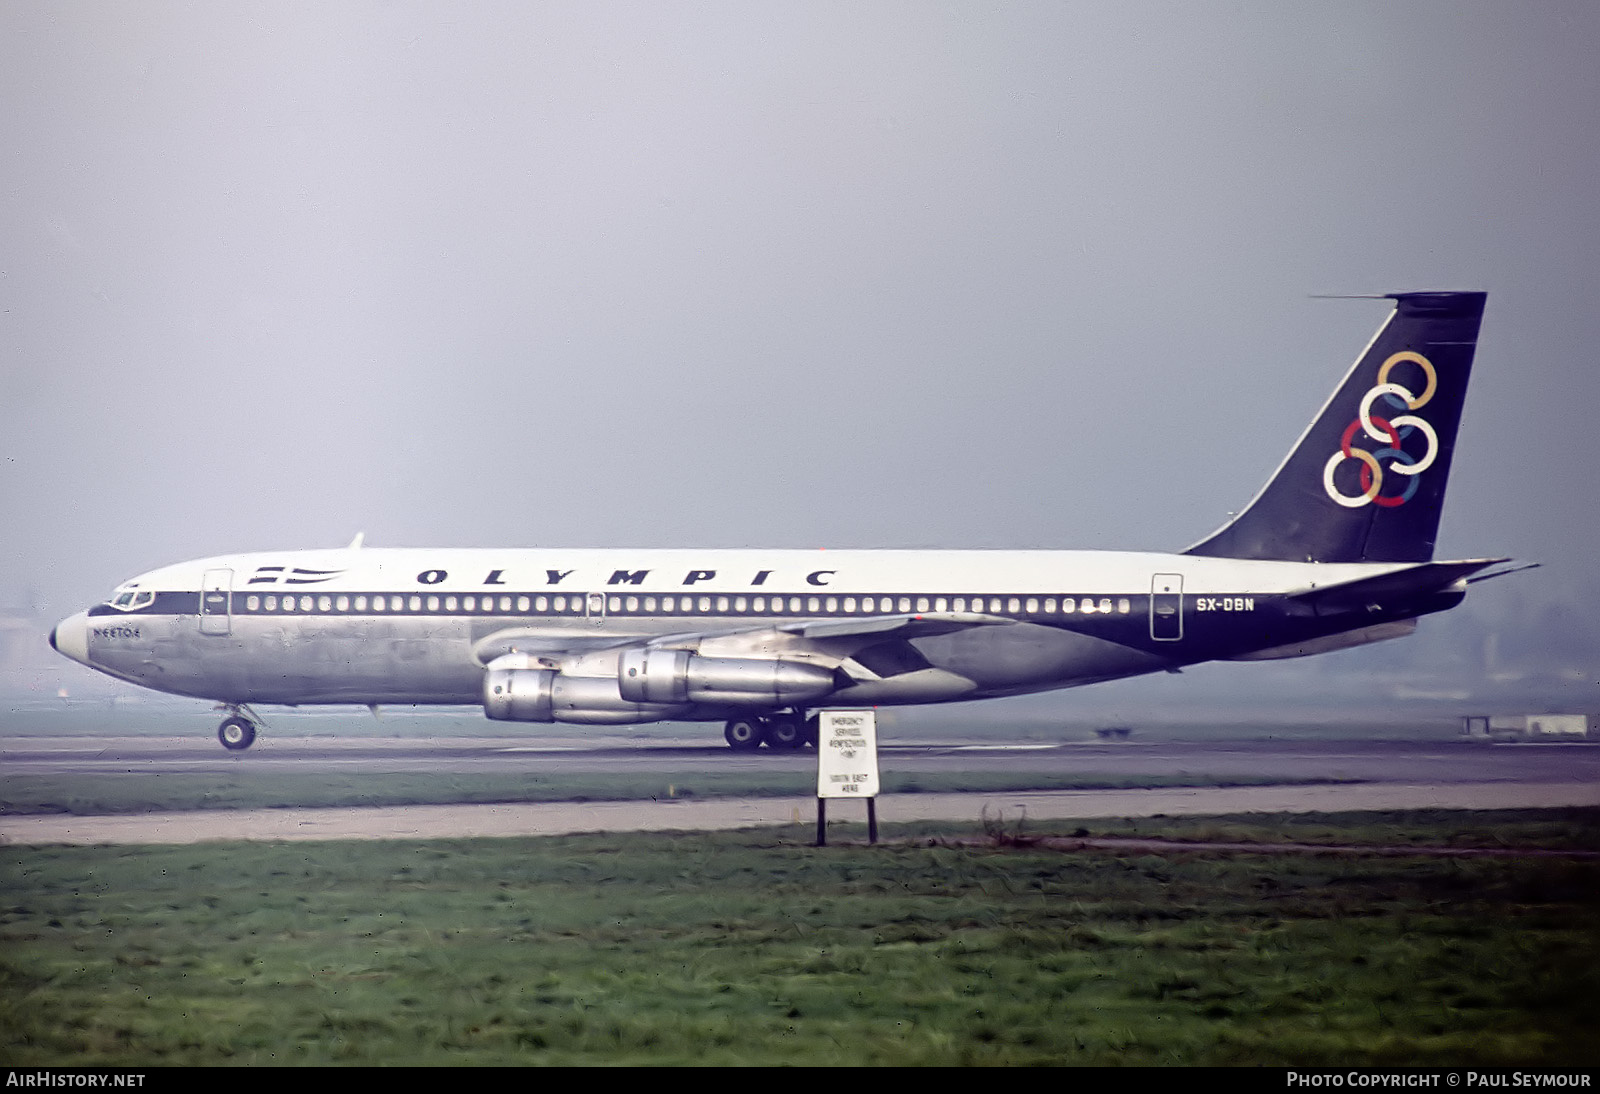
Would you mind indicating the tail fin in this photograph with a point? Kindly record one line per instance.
(1365, 482)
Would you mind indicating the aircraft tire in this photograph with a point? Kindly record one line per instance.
(784, 731)
(237, 734)
(744, 734)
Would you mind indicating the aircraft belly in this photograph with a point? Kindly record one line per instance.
(329, 661)
(1027, 656)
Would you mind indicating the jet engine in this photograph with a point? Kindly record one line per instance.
(678, 676)
(649, 686)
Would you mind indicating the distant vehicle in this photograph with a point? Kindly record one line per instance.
(1335, 551)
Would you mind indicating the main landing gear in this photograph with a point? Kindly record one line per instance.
(237, 731)
(786, 730)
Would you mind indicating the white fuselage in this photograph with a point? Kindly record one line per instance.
(374, 625)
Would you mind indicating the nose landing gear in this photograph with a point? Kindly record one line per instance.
(237, 731)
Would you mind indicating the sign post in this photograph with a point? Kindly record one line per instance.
(847, 764)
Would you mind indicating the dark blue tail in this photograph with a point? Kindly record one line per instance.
(1366, 481)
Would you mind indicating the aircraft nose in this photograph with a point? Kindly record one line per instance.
(70, 637)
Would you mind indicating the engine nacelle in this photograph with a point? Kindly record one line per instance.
(678, 676)
(650, 686)
(515, 691)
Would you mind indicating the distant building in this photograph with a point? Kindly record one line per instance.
(1531, 727)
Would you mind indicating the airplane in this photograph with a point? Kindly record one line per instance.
(1335, 551)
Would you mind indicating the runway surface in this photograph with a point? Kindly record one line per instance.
(1371, 774)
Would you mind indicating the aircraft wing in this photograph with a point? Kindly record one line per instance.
(826, 642)
(919, 625)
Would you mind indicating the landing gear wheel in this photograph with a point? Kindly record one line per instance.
(744, 734)
(237, 734)
(783, 731)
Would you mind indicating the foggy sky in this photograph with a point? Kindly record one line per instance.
(814, 274)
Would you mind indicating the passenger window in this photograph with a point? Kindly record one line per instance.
(1123, 607)
(1033, 605)
(649, 603)
(449, 603)
(361, 603)
(615, 604)
(343, 603)
(722, 603)
(505, 603)
(324, 604)
(739, 603)
(633, 603)
(833, 604)
(377, 603)
(416, 603)
(1068, 606)
(522, 604)
(433, 603)
(541, 604)
(396, 604)
(705, 603)
(251, 603)
(849, 604)
(922, 603)
(813, 605)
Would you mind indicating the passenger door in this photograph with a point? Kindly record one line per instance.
(216, 602)
(1166, 607)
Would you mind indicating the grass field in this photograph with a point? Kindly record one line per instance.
(755, 947)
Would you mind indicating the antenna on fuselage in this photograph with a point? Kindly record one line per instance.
(355, 544)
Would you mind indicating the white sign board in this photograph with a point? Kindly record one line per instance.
(847, 754)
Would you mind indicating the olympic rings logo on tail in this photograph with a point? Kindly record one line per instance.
(1390, 431)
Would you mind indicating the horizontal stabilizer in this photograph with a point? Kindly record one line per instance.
(1399, 585)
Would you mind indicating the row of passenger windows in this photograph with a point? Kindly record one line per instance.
(595, 603)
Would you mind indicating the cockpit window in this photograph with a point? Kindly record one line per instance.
(129, 600)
